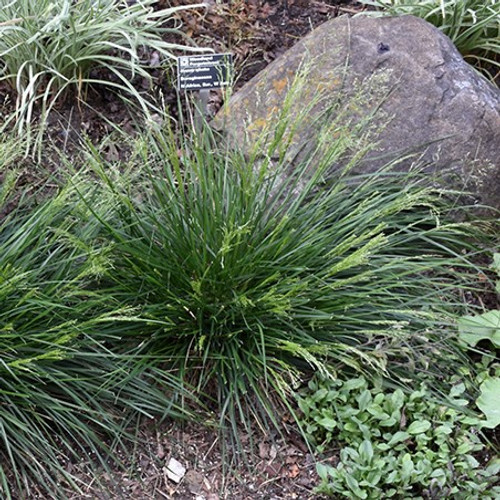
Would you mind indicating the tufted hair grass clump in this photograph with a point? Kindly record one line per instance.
(249, 273)
(65, 398)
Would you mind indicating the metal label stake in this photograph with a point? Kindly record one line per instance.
(203, 73)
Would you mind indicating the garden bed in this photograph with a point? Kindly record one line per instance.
(278, 466)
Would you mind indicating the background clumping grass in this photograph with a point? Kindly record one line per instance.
(64, 395)
(472, 25)
(50, 50)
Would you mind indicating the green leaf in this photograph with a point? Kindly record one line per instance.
(496, 263)
(353, 485)
(398, 438)
(438, 473)
(355, 383)
(489, 401)
(496, 267)
(304, 406)
(351, 427)
(493, 467)
(320, 394)
(419, 427)
(328, 423)
(348, 454)
(364, 399)
(392, 477)
(471, 462)
(376, 411)
(374, 477)
(457, 390)
(397, 399)
(322, 471)
(464, 448)
(389, 422)
(366, 451)
(407, 467)
(445, 429)
(472, 329)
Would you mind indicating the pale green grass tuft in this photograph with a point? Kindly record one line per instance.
(50, 50)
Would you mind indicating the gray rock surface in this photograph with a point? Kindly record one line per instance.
(434, 95)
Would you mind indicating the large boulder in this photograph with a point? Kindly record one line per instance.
(437, 103)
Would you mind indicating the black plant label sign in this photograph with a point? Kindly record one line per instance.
(208, 71)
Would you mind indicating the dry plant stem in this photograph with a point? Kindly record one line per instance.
(15, 21)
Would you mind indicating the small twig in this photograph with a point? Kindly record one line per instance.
(337, 7)
(15, 21)
(210, 449)
(271, 480)
(350, 11)
(327, 6)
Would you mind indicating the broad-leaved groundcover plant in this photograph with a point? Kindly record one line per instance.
(392, 445)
